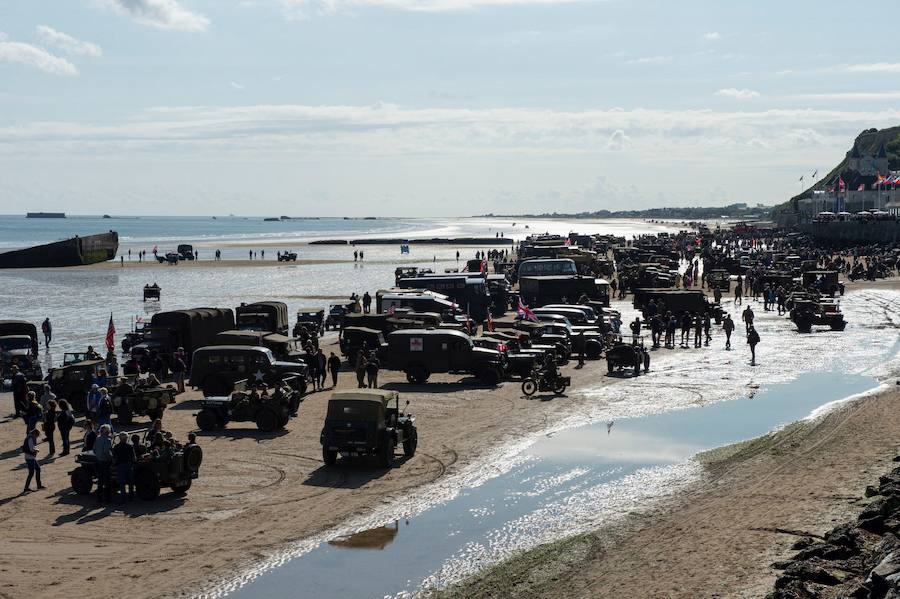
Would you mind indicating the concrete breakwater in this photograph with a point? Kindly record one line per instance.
(857, 231)
(489, 241)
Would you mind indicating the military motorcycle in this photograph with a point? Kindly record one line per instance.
(542, 380)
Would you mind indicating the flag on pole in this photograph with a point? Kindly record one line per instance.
(110, 334)
(525, 312)
(815, 173)
(392, 310)
(801, 178)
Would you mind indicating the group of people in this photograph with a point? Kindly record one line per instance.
(367, 367)
(319, 367)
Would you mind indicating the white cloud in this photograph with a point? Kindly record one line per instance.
(712, 36)
(739, 94)
(68, 44)
(236, 85)
(873, 67)
(300, 9)
(33, 56)
(165, 14)
(887, 95)
(617, 141)
(650, 60)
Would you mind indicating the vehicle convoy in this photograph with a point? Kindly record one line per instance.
(216, 369)
(19, 347)
(270, 410)
(263, 316)
(808, 311)
(544, 380)
(367, 422)
(188, 329)
(423, 352)
(175, 469)
(623, 354)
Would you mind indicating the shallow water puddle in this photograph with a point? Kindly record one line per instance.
(572, 481)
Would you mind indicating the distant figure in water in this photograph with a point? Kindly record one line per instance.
(609, 425)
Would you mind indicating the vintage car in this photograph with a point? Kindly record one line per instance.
(421, 352)
(151, 292)
(367, 422)
(175, 470)
(270, 410)
(624, 353)
(518, 363)
(216, 369)
(19, 347)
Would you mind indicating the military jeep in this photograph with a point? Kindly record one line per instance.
(627, 353)
(270, 411)
(367, 422)
(130, 398)
(807, 312)
(176, 470)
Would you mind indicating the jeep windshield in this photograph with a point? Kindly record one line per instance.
(354, 410)
(14, 343)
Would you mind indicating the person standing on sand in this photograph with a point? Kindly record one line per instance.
(321, 367)
(752, 341)
(19, 390)
(65, 421)
(334, 365)
(49, 426)
(103, 453)
(355, 255)
(366, 302)
(361, 369)
(360, 255)
(372, 366)
(47, 329)
(29, 448)
(262, 254)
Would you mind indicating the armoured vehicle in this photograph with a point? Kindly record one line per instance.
(263, 316)
(216, 368)
(269, 410)
(422, 352)
(175, 469)
(367, 422)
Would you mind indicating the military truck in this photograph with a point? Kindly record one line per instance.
(285, 348)
(263, 316)
(561, 289)
(720, 278)
(422, 352)
(189, 329)
(269, 410)
(175, 469)
(19, 347)
(367, 422)
(216, 369)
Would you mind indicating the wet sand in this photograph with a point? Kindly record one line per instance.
(255, 493)
(719, 539)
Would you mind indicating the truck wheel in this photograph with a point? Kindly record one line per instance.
(82, 480)
(266, 420)
(387, 453)
(182, 489)
(490, 376)
(329, 456)
(207, 420)
(147, 484)
(124, 415)
(410, 444)
(529, 387)
(416, 374)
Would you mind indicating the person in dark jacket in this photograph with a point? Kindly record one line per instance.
(20, 391)
(366, 302)
(29, 449)
(361, 369)
(47, 329)
(752, 341)
(321, 367)
(124, 457)
(372, 366)
(49, 425)
(179, 367)
(90, 435)
(334, 365)
(65, 420)
(33, 413)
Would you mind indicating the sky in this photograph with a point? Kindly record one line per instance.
(431, 107)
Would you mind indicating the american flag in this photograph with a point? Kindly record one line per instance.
(110, 334)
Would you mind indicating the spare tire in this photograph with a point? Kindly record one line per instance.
(193, 457)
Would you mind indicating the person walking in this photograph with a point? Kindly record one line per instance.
(321, 367)
(361, 369)
(752, 341)
(30, 450)
(65, 420)
(698, 331)
(334, 365)
(125, 458)
(103, 455)
(47, 329)
(366, 302)
(728, 327)
(372, 366)
(706, 327)
(49, 425)
(747, 316)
